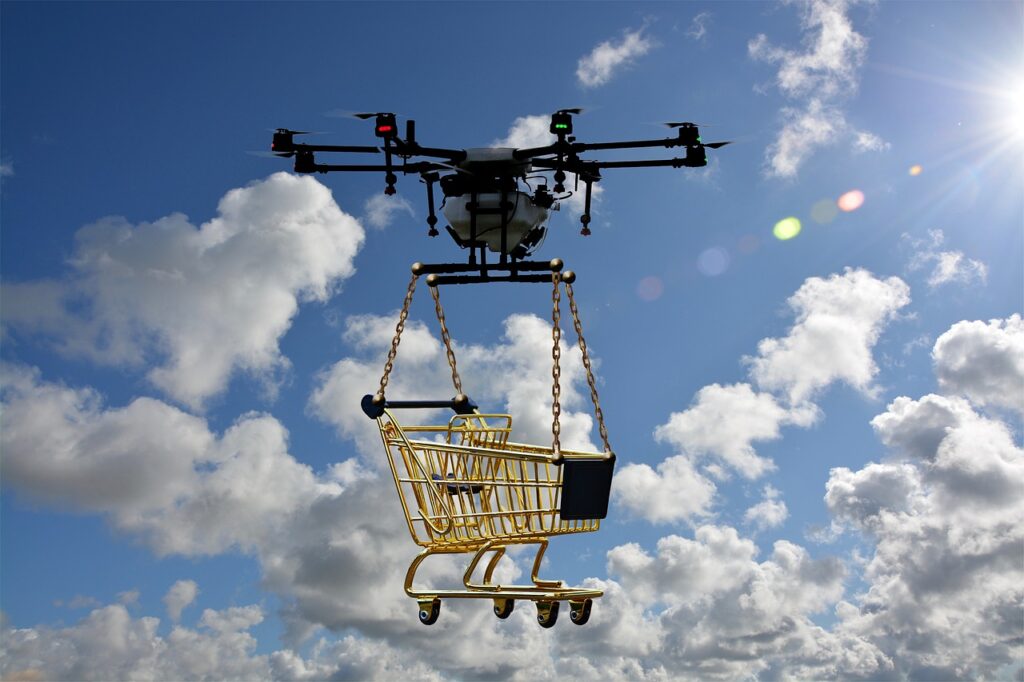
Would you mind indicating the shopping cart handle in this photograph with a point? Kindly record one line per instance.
(373, 409)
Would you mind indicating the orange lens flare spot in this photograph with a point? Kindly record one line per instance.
(915, 170)
(851, 201)
(787, 228)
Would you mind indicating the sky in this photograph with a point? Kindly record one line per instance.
(810, 352)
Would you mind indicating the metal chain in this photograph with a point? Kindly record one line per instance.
(556, 370)
(398, 335)
(586, 363)
(446, 338)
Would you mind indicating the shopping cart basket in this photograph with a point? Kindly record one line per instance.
(466, 489)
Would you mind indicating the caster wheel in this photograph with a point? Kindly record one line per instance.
(579, 611)
(547, 613)
(429, 611)
(503, 607)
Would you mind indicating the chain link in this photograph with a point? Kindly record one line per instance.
(399, 328)
(586, 363)
(447, 339)
(556, 370)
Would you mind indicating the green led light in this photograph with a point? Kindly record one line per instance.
(561, 125)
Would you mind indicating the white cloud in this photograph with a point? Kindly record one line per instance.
(598, 67)
(204, 301)
(380, 209)
(838, 322)
(817, 78)
(149, 467)
(6, 169)
(421, 372)
(984, 362)
(676, 491)
(128, 597)
(699, 26)
(869, 142)
(724, 421)
(770, 512)
(181, 594)
(943, 593)
(946, 266)
(802, 132)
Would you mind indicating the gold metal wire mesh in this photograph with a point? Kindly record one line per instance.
(465, 484)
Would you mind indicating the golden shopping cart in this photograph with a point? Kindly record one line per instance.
(466, 489)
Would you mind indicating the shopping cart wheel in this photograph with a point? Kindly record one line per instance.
(430, 609)
(579, 611)
(503, 607)
(547, 613)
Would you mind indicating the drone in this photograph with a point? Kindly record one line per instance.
(488, 199)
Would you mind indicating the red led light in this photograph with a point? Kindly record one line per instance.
(385, 129)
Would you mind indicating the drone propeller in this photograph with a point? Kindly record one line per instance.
(574, 111)
(716, 145)
(684, 124)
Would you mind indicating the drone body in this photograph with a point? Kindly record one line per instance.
(488, 199)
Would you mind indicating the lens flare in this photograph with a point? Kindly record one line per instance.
(713, 262)
(824, 211)
(915, 169)
(650, 288)
(851, 201)
(749, 243)
(787, 228)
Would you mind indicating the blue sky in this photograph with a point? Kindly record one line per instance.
(820, 469)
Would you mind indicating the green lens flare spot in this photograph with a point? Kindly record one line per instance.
(787, 228)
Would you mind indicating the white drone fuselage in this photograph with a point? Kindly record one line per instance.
(522, 218)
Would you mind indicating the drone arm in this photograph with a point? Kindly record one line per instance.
(667, 142)
(567, 148)
(422, 167)
(650, 163)
(338, 148)
(410, 148)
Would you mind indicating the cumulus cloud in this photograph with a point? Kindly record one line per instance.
(421, 372)
(200, 302)
(943, 599)
(770, 512)
(946, 266)
(724, 421)
(675, 491)
(817, 79)
(149, 467)
(983, 361)
(533, 131)
(598, 67)
(380, 210)
(838, 321)
(181, 594)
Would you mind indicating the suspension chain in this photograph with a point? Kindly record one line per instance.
(556, 370)
(586, 363)
(399, 328)
(446, 338)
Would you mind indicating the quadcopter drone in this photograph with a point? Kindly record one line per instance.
(484, 201)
